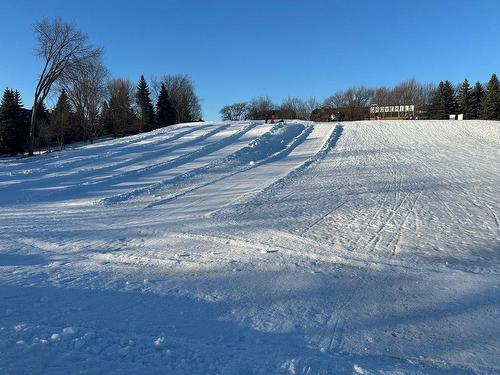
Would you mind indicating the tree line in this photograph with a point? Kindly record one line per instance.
(90, 103)
(481, 101)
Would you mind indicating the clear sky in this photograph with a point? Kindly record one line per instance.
(234, 50)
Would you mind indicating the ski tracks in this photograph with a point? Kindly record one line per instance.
(183, 159)
(221, 171)
(281, 186)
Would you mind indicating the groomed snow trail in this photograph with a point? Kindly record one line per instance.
(251, 248)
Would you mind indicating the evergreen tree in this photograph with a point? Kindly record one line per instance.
(464, 99)
(146, 109)
(23, 121)
(11, 141)
(61, 119)
(444, 103)
(165, 111)
(491, 100)
(449, 101)
(18, 100)
(121, 114)
(437, 106)
(476, 99)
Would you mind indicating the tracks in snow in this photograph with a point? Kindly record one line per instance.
(259, 196)
(267, 148)
(183, 159)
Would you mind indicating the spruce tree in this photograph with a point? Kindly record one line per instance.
(18, 100)
(449, 101)
(165, 111)
(10, 123)
(438, 107)
(23, 121)
(121, 114)
(464, 99)
(491, 100)
(476, 99)
(60, 119)
(146, 109)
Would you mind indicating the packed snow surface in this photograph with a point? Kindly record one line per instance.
(251, 248)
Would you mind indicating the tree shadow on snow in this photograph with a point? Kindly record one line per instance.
(53, 330)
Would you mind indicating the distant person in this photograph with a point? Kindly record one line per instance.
(332, 117)
(273, 118)
(267, 119)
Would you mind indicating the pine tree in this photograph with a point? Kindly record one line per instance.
(61, 118)
(10, 123)
(476, 99)
(23, 121)
(464, 99)
(491, 100)
(437, 106)
(18, 100)
(450, 104)
(122, 118)
(146, 109)
(165, 111)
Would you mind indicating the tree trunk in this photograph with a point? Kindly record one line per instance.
(31, 140)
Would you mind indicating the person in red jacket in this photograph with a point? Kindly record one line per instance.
(273, 118)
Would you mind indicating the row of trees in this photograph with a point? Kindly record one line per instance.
(431, 102)
(90, 104)
(89, 109)
(477, 102)
(13, 123)
(261, 107)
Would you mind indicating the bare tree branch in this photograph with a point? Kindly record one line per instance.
(64, 51)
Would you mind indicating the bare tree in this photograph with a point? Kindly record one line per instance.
(382, 96)
(64, 50)
(293, 108)
(354, 102)
(428, 90)
(86, 89)
(181, 93)
(337, 100)
(234, 112)
(358, 99)
(407, 92)
(260, 108)
(311, 104)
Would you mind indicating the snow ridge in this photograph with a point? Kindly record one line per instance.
(328, 146)
(273, 145)
(170, 163)
(175, 162)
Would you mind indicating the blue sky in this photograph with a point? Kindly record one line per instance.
(234, 50)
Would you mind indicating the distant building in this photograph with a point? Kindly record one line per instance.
(392, 112)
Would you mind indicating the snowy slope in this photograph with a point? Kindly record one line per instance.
(251, 248)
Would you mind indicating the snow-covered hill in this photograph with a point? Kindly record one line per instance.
(251, 248)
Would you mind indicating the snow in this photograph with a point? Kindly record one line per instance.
(252, 248)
